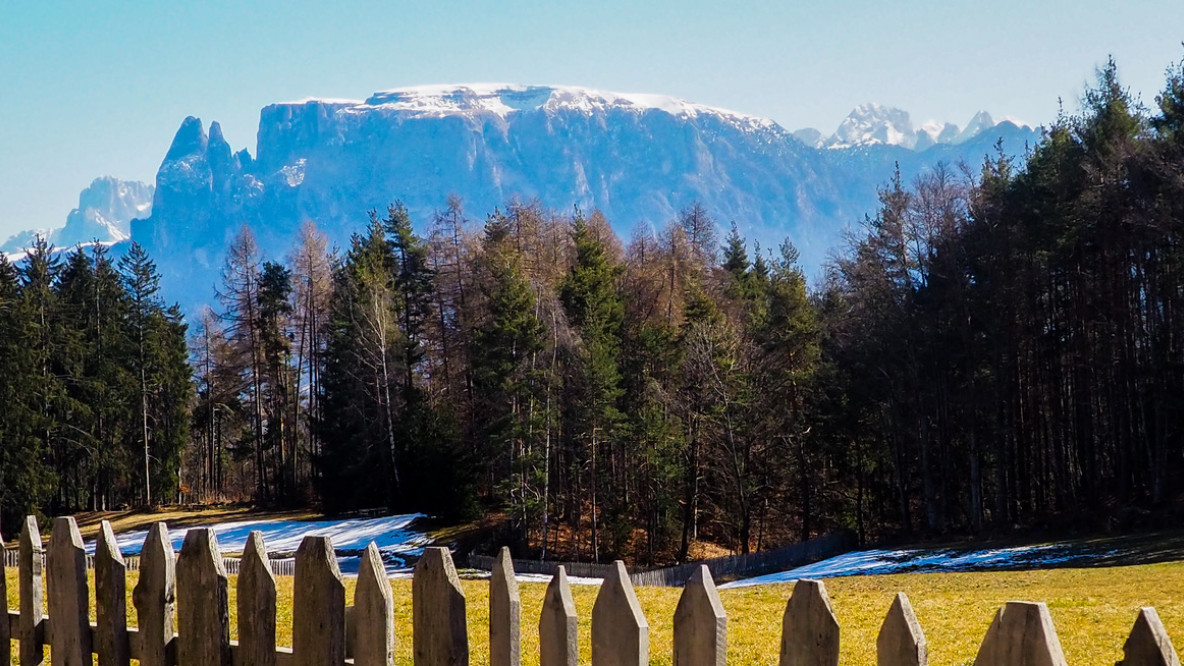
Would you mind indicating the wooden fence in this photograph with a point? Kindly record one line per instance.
(328, 633)
(725, 568)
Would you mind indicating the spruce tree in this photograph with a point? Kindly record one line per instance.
(142, 284)
(505, 385)
(593, 305)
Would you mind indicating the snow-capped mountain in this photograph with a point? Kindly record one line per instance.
(873, 124)
(104, 214)
(981, 122)
(637, 158)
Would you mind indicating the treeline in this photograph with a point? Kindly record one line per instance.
(610, 400)
(95, 384)
(1009, 347)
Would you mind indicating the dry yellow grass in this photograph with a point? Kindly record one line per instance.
(1093, 610)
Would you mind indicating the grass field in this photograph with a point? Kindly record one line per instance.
(1093, 610)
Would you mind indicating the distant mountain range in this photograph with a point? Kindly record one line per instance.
(104, 213)
(875, 125)
(637, 158)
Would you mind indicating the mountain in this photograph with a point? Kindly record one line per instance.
(873, 124)
(639, 159)
(104, 214)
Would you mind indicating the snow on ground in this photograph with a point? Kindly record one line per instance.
(542, 578)
(870, 562)
(399, 544)
(396, 540)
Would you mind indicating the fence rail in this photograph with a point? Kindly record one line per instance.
(721, 568)
(328, 633)
(285, 566)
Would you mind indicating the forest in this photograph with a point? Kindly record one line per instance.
(999, 347)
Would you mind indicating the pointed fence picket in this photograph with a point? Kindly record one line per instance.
(32, 628)
(69, 596)
(700, 624)
(203, 602)
(901, 641)
(154, 597)
(328, 633)
(505, 614)
(439, 634)
(318, 611)
(256, 605)
(374, 613)
(809, 630)
(111, 638)
(620, 632)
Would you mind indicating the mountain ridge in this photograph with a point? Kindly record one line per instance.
(639, 159)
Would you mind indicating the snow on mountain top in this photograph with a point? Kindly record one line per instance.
(871, 124)
(504, 99)
(324, 100)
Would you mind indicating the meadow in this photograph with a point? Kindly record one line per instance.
(1093, 610)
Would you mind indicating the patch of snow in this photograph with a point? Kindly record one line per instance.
(294, 173)
(324, 100)
(504, 99)
(478, 574)
(874, 562)
(392, 534)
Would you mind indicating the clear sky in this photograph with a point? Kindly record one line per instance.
(98, 87)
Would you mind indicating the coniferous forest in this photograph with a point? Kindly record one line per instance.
(999, 347)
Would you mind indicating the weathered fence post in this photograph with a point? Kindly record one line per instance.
(203, 598)
(700, 624)
(154, 596)
(374, 613)
(901, 641)
(558, 625)
(1021, 635)
(5, 627)
(31, 591)
(69, 597)
(256, 605)
(111, 640)
(440, 637)
(620, 633)
(809, 630)
(1148, 644)
(505, 613)
(318, 618)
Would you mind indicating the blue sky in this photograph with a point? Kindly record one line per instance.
(98, 87)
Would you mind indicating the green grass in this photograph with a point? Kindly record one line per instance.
(1093, 610)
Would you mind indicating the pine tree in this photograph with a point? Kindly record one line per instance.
(275, 287)
(26, 479)
(142, 284)
(593, 304)
(504, 345)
